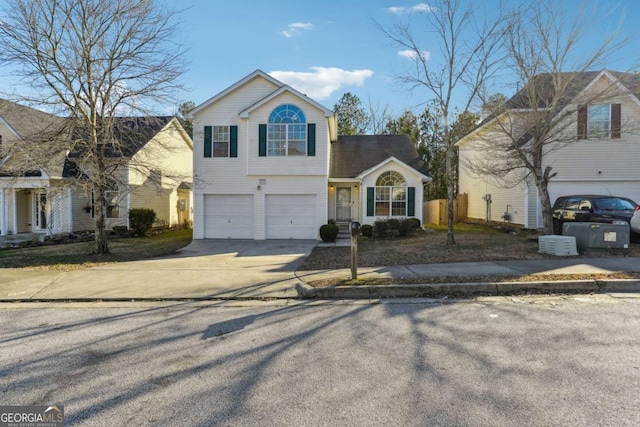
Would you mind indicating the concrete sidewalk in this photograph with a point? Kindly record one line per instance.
(239, 273)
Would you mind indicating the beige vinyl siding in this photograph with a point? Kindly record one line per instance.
(172, 158)
(82, 220)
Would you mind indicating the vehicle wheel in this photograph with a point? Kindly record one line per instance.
(557, 227)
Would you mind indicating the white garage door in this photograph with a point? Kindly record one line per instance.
(629, 189)
(228, 216)
(291, 216)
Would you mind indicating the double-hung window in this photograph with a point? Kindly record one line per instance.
(599, 121)
(287, 132)
(220, 140)
(391, 195)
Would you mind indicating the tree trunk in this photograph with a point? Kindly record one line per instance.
(450, 194)
(545, 201)
(102, 246)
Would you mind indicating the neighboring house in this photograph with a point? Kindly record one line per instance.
(52, 200)
(601, 154)
(269, 165)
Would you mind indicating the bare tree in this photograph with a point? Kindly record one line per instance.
(546, 44)
(378, 117)
(462, 67)
(91, 61)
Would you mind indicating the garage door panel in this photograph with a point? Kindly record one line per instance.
(228, 216)
(291, 216)
(629, 189)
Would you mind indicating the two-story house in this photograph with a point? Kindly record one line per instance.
(48, 193)
(595, 149)
(268, 164)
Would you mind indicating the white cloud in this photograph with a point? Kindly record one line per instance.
(420, 7)
(296, 28)
(322, 82)
(412, 54)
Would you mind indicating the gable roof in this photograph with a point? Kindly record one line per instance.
(132, 133)
(281, 87)
(352, 155)
(579, 81)
(27, 121)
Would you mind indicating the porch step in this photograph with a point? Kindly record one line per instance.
(343, 230)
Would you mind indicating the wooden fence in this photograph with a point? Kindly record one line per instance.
(435, 211)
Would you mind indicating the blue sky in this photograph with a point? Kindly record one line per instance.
(326, 48)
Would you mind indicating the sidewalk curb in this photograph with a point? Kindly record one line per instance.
(467, 289)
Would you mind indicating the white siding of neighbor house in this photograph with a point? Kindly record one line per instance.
(501, 195)
(595, 166)
(412, 179)
(242, 174)
(82, 220)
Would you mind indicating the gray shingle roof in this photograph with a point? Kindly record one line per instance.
(27, 121)
(132, 133)
(351, 155)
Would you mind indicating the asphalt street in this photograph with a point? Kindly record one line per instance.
(525, 361)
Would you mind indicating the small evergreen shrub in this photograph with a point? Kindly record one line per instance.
(141, 220)
(328, 232)
(380, 229)
(393, 226)
(408, 226)
(367, 230)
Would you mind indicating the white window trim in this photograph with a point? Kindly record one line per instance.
(591, 133)
(214, 140)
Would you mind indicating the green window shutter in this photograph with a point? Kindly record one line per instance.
(371, 195)
(207, 141)
(311, 139)
(262, 140)
(233, 141)
(411, 201)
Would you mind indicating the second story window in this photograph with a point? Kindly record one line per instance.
(287, 132)
(599, 121)
(220, 141)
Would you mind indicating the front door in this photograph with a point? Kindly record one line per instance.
(40, 211)
(343, 203)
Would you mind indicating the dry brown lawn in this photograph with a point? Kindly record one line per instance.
(474, 242)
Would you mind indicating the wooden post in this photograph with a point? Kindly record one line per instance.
(354, 256)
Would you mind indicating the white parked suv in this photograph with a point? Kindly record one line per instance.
(634, 222)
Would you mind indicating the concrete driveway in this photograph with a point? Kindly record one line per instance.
(205, 268)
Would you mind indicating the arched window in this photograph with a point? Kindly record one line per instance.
(287, 132)
(391, 195)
